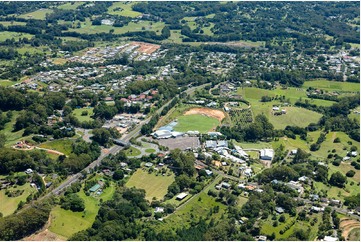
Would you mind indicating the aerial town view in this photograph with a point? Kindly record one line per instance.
(180, 121)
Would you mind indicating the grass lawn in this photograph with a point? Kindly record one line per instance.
(154, 186)
(9, 204)
(61, 145)
(6, 83)
(66, 223)
(38, 14)
(241, 201)
(4, 35)
(333, 85)
(150, 150)
(197, 122)
(77, 113)
(132, 151)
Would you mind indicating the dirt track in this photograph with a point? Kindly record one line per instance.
(208, 112)
(347, 225)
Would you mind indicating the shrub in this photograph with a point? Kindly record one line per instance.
(350, 173)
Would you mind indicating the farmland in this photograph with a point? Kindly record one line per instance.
(154, 185)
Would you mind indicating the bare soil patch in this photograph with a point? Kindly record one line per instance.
(146, 47)
(213, 113)
(347, 225)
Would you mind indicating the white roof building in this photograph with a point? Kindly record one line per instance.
(266, 154)
(181, 196)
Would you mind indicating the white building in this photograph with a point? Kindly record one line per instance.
(181, 196)
(266, 154)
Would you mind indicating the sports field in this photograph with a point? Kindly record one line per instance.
(154, 186)
(66, 223)
(196, 122)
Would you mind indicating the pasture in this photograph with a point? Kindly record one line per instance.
(88, 28)
(61, 145)
(78, 114)
(66, 223)
(4, 35)
(70, 5)
(11, 23)
(38, 14)
(154, 186)
(295, 117)
(13, 137)
(123, 9)
(333, 85)
(198, 122)
(9, 204)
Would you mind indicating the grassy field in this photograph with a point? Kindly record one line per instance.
(11, 23)
(197, 207)
(66, 223)
(62, 145)
(12, 137)
(197, 122)
(354, 235)
(328, 144)
(333, 85)
(38, 14)
(88, 28)
(70, 5)
(4, 35)
(77, 113)
(7, 83)
(125, 9)
(132, 151)
(150, 150)
(154, 186)
(293, 94)
(9, 204)
(295, 116)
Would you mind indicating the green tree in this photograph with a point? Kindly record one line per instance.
(337, 179)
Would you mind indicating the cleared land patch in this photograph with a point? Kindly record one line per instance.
(78, 114)
(62, 145)
(154, 186)
(38, 14)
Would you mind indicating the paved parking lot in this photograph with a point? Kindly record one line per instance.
(180, 142)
